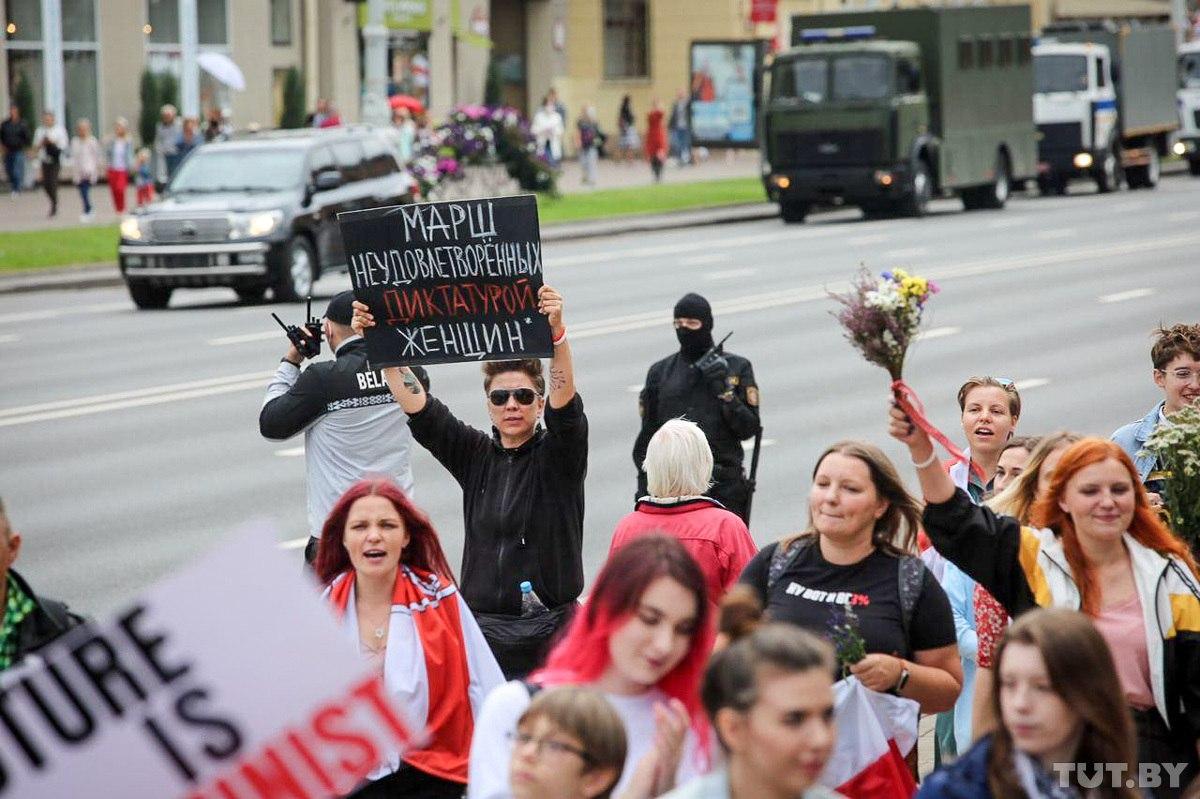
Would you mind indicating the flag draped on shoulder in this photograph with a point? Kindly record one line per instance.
(875, 733)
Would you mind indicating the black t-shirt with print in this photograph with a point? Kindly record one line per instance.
(812, 591)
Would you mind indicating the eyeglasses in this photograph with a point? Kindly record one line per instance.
(525, 396)
(690, 324)
(1182, 375)
(519, 740)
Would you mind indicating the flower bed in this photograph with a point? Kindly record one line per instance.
(476, 135)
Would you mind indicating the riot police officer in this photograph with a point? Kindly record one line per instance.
(712, 388)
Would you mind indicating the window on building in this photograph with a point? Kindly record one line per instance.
(211, 24)
(966, 53)
(163, 18)
(79, 88)
(79, 20)
(25, 18)
(1024, 50)
(987, 52)
(281, 22)
(626, 39)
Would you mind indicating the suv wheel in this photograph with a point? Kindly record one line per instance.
(297, 272)
(149, 297)
(791, 211)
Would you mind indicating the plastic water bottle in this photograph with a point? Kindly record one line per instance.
(531, 604)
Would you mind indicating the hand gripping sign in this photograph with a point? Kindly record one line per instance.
(449, 282)
(227, 680)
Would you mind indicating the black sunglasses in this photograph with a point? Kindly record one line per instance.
(499, 396)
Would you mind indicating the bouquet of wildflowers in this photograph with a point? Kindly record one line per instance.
(1177, 447)
(848, 643)
(881, 315)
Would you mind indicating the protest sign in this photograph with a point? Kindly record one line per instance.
(449, 281)
(228, 680)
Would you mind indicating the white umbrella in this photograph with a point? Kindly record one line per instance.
(222, 68)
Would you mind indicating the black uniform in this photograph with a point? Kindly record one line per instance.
(721, 397)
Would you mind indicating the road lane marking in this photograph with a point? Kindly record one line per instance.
(1122, 296)
(1000, 224)
(10, 338)
(70, 310)
(679, 248)
(1061, 233)
(641, 321)
(730, 274)
(635, 389)
(710, 258)
(290, 452)
(1128, 205)
(872, 238)
(907, 252)
(1183, 216)
(748, 446)
(938, 332)
(245, 338)
(1032, 382)
(295, 543)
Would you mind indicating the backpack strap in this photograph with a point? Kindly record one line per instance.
(782, 559)
(911, 576)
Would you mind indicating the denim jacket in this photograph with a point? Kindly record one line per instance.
(1132, 437)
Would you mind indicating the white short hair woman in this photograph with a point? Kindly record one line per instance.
(679, 464)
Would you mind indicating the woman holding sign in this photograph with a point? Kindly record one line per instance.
(522, 490)
(389, 581)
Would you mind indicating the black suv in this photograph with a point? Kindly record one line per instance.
(258, 213)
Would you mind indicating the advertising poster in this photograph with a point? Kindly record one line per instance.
(723, 81)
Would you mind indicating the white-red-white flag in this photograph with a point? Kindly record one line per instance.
(875, 733)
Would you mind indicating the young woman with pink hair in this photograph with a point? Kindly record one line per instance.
(642, 639)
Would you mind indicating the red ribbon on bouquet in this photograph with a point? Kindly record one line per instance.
(908, 402)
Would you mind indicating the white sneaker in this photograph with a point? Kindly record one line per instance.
(86, 217)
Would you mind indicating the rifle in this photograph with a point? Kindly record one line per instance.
(752, 483)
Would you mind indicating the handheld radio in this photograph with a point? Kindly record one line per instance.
(308, 340)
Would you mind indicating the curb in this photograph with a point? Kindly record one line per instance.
(92, 276)
(107, 275)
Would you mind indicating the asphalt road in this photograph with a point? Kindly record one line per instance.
(130, 440)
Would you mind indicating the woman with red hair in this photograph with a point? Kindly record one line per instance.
(642, 639)
(388, 580)
(1097, 546)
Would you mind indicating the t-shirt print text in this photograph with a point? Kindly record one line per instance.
(832, 597)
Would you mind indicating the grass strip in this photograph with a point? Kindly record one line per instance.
(92, 244)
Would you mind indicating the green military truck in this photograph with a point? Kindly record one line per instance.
(885, 110)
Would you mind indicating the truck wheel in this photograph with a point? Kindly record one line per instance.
(916, 204)
(294, 279)
(793, 211)
(1108, 176)
(993, 195)
(1146, 177)
(1194, 166)
(147, 297)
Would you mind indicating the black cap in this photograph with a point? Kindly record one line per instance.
(693, 306)
(340, 308)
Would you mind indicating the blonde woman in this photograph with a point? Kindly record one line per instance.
(86, 160)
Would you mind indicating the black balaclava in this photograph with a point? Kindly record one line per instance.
(694, 343)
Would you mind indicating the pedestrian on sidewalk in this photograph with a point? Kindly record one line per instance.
(189, 139)
(86, 159)
(547, 128)
(50, 140)
(119, 155)
(143, 177)
(680, 129)
(165, 139)
(628, 141)
(656, 140)
(15, 138)
(589, 144)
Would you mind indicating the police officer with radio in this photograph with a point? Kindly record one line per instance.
(712, 388)
(352, 426)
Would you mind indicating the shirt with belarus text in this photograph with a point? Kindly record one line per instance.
(811, 592)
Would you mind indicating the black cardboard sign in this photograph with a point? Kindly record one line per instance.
(449, 282)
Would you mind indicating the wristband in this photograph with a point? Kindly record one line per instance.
(560, 338)
(293, 363)
(928, 461)
(902, 680)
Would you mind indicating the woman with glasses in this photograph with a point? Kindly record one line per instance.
(569, 744)
(642, 640)
(522, 490)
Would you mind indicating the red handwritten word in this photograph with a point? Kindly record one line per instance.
(457, 299)
(342, 742)
(860, 599)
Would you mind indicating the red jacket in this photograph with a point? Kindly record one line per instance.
(656, 136)
(715, 537)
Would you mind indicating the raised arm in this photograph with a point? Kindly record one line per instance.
(562, 367)
(936, 484)
(406, 388)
